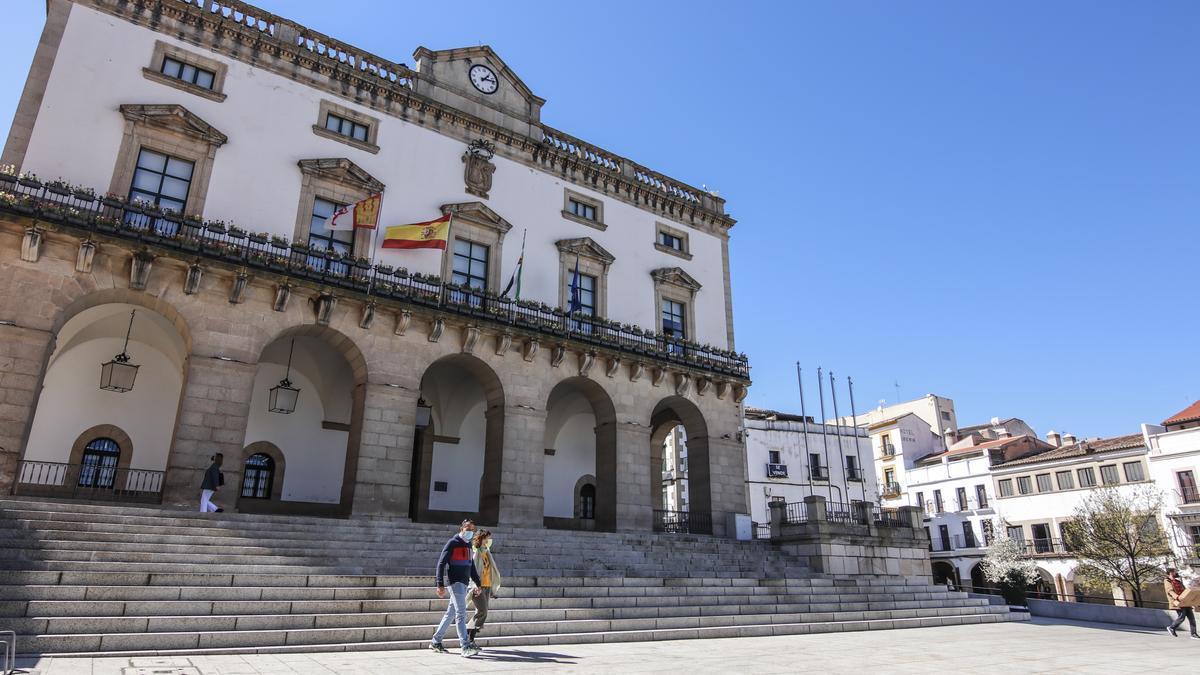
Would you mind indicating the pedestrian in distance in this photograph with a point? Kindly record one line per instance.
(456, 567)
(1174, 587)
(213, 480)
(489, 582)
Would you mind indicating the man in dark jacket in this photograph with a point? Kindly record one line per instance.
(456, 566)
(213, 480)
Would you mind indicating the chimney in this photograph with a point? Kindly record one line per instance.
(1069, 439)
(1004, 433)
(995, 421)
(1054, 438)
(951, 438)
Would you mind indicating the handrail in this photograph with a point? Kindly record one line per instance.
(87, 481)
(682, 522)
(75, 207)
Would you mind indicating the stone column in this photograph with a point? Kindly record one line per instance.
(22, 354)
(778, 518)
(385, 451)
(815, 505)
(862, 512)
(523, 472)
(727, 480)
(212, 418)
(634, 480)
(912, 517)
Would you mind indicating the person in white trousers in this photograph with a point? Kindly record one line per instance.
(213, 480)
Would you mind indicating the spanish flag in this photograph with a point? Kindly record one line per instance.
(431, 234)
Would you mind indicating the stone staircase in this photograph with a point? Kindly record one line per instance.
(87, 579)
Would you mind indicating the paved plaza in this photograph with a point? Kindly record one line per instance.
(1041, 646)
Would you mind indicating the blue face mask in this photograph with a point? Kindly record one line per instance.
(468, 535)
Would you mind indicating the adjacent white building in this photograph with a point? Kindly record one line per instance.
(937, 411)
(790, 457)
(1174, 456)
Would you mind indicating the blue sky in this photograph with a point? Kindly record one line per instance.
(995, 202)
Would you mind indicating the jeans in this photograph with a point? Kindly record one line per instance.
(1185, 613)
(456, 612)
(206, 505)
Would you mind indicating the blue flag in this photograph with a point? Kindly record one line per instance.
(576, 303)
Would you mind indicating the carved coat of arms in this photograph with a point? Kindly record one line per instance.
(479, 167)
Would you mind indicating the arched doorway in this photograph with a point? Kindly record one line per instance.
(1043, 588)
(581, 444)
(677, 422)
(943, 573)
(979, 583)
(457, 458)
(320, 436)
(109, 443)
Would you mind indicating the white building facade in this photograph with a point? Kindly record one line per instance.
(188, 180)
(1174, 456)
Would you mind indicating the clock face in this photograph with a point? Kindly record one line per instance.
(484, 79)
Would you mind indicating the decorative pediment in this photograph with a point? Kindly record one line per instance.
(585, 247)
(477, 213)
(676, 277)
(343, 171)
(451, 67)
(176, 118)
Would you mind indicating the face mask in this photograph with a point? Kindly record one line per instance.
(468, 535)
(488, 545)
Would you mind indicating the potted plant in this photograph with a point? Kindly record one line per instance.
(281, 243)
(8, 173)
(112, 200)
(29, 180)
(216, 226)
(260, 238)
(59, 187)
(236, 233)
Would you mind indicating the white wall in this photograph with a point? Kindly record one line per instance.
(72, 402)
(256, 182)
(574, 457)
(460, 464)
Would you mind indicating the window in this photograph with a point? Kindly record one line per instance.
(98, 467)
(1109, 475)
(773, 457)
(1194, 531)
(188, 73)
(981, 496)
(1016, 533)
(815, 469)
(1043, 483)
(889, 476)
(1187, 487)
(587, 502)
(348, 128)
(989, 533)
(937, 501)
(1024, 485)
(1065, 480)
(587, 295)
(961, 495)
(674, 323)
(1133, 472)
(470, 264)
(581, 210)
(1087, 477)
(322, 239)
(670, 241)
(1006, 487)
(258, 476)
(968, 535)
(921, 502)
(885, 445)
(945, 415)
(161, 180)
(852, 470)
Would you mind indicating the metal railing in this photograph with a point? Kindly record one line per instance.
(888, 517)
(137, 222)
(940, 545)
(1035, 547)
(1188, 495)
(854, 473)
(682, 522)
(795, 513)
(88, 481)
(888, 450)
(889, 489)
(818, 472)
(839, 512)
(762, 530)
(966, 541)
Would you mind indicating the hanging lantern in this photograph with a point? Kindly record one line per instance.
(118, 374)
(423, 413)
(283, 395)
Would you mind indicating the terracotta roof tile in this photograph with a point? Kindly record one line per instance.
(1080, 449)
(1188, 414)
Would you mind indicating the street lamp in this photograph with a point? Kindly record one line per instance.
(118, 374)
(423, 413)
(284, 395)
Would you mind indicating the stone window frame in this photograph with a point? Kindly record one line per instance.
(371, 145)
(475, 222)
(685, 252)
(172, 130)
(594, 261)
(276, 454)
(163, 50)
(337, 180)
(672, 283)
(569, 195)
(577, 497)
(117, 434)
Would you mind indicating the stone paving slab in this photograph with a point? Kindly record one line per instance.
(1041, 646)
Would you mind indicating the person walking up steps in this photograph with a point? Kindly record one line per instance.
(213, 480)
(489, 582)
(456, 566)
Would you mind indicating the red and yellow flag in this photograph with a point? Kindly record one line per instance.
(430, 234)
(360, 215)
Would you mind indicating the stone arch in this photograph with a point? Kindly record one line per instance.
(579, 485)
(944, 573)
(116, 433)
(605, 446)
(675, 411)
(979, 582)
(261, 448)
(445, 427)
(355, 362)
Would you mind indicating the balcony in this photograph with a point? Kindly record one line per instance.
(818, 472)
(889, 489)
(1187, 496)
(78, 211)
(1045, 547)
(854, 473)
(888, 451)
(777, 471)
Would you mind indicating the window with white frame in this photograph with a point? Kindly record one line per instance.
(581, 209)
(188, 73)
(349, 128)
(773, 457)
(470, 264)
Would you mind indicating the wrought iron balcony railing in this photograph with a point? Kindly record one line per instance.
(136, 222)
(1188, 495)
(889, 489)
(682, 522)
(854, 473)
(88, 481)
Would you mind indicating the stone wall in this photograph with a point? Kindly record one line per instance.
(225, 339)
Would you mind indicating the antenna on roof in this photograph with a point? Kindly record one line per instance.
(896, 384)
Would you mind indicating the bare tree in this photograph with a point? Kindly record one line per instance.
(1116, 536)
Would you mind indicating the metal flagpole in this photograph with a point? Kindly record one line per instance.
(824, 426)
(837, 431)
(854, 421)
(803, 417)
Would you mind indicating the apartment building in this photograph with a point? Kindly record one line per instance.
(1174, 456)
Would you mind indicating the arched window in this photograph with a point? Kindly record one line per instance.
(257, 476)
(587, 502)
(98, 467)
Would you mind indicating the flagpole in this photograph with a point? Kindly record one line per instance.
(824, 426)
(803, 418)
(854, 421)
(837, 431)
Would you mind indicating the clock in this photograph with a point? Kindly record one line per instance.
(483, 79)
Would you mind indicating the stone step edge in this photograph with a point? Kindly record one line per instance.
(650, 635)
